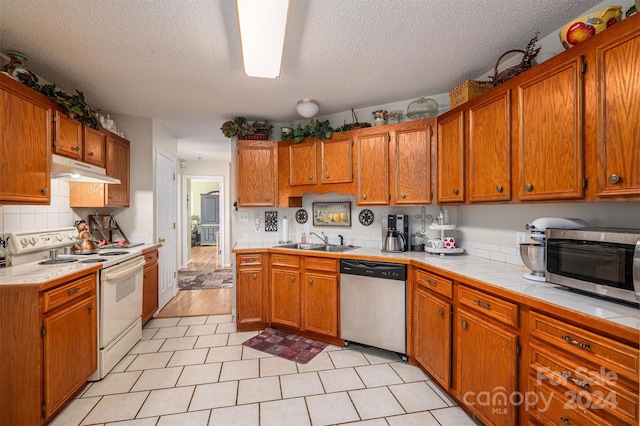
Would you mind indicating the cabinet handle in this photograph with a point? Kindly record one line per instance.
(76, 148)
(455, 191)
(90, 154)
(255, 276)
(433, 283)
(528, 187)
(464, 324)
(310, 177)
(576, 382)
(326, 176)
(90, 308)
(44, 191)
(441, 312)
(110, 197)
(310, 281)
(403, 195)
(268, 198)
(573, 342)
(161, 240)
(364, 196)
(614, 178)
(73, 291)
(566, 421)
(484, 305)
(499, 188)
(292, 278)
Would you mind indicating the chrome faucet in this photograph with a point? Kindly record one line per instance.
(324, 238)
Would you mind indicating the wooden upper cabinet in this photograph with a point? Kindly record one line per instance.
(67, 139)
(373, 169)
(618, 77)
(411, 166)
(302, 163)
(451, 158)
(257, 173)
(551, 133)
(94, 147)
(489, 149)
(336, 159)
(25, 145)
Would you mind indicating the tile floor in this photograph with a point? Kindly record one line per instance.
(195, 371)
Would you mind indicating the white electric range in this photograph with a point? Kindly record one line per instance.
(36, 258)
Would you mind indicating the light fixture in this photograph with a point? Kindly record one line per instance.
(262, 26)
(307, 107)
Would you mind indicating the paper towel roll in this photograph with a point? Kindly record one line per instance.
(285, 229)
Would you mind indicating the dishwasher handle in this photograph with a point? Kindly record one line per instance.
(393, 271)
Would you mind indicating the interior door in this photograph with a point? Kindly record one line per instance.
(210, 208)
(166, 211)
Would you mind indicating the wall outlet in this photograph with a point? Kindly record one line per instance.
(521, 238)
(243, 216)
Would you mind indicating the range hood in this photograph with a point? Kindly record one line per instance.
(71, 170)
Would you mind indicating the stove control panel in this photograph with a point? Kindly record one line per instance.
(31, 241)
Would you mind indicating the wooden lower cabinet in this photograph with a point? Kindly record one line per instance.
(150, 285)
(252, 295)
(285, 290)
(320, 296)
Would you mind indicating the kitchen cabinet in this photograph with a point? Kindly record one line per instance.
(67, 137)
(336, 156)
(150, 285)
(285, 290)
(94, 146)
(252, 295)
(102, 194)
(52, 349)
(25, 144)
(410, 165)
(257, 167)
(450, 180)
(373, 169)
(302, 163)
(320, 296)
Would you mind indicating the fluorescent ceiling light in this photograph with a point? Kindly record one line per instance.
(262, 26)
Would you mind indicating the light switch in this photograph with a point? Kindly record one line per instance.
(243, 216)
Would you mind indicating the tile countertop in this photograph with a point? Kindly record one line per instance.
(497, 274)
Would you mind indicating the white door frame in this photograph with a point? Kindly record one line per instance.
(186, 242)
(168, 253)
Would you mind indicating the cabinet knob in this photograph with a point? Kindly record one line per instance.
(464, 324)
(268, 198)
(310, 177)
(90, 154)
(403, 195)
(162, 240)
(326, 176)
(528, 187)
(565, 421)
(614, 178)
(310, 281)
(76, 148)
(292, 278)
(364, 196)
(455, 191)
(111, 197)
(499, 188)
(44, 191)
(440, 312)
(255, 276)
(90, 308)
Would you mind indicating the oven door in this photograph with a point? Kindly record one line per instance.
(120, 298)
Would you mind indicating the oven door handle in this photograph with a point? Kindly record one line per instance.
(124, 270)
(636, 269)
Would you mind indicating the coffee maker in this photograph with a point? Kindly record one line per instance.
(395, 232)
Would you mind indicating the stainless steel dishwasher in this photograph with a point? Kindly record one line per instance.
(373, 304)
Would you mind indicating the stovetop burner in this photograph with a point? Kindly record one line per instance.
(93, 260)
(56, 261)
(114, 253)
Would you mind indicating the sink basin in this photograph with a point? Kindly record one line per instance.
(299, 246)
(333, 248)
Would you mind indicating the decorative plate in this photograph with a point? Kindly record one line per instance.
(366, 217)
(301, 216)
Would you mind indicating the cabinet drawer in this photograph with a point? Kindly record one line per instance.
(285, 260)
(249, 259)
(501, 310)
(321, 264)
(436, 283)
(68, 292)
(151, 257)
(601, 350)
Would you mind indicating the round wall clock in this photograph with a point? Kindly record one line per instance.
(366, 217)
(301, 216)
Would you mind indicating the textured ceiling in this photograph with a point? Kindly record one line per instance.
(179, 60)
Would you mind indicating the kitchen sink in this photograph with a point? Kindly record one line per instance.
(332, 248)
(299, 246)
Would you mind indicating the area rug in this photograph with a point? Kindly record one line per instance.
(285, 345)
(201, 280)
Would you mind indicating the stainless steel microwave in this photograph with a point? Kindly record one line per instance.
(600, 261)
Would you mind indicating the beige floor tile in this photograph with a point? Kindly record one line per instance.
(250, 353)
(347, 358)
(112, 384)
(423, 418)
(178, 344)
(238, 370)
(148, 333)
(301, 384)
(417, 396)
(322, 361)
(275, 366)
(147, 421)
(331, 409)
(378, 375)
(376, 402)
(190, 357)
(214, 395)
(245, 415)
(452, 416)
(196, 418)
(332, 348)
(373, 422)
(442, 394)
(284, 412)
(201, 330)
(192, 320)
(169, 332)
(147, 346)
(227, 327)
(75, 412)
(199, 374)
(149, 361)
(158, 378)
(340, 380)
(219, 319)
(409, 373)
(167, 401)
(112, 408)
(123, 364)
(379, 356)
(239, 338)
(225, 353)
(211, 340)
(258, 390)
(163, 322)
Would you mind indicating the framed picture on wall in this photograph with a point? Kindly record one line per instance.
(332, 214)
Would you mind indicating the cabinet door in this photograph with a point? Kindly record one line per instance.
(94, 146)
(618, 75)
(210, 209)
(337, 160)
(149, 291)
(320, 303)
(25, 146)
(302, 164)
(67, 140)
(486, 364)
(257, 171)
(451, 159)
(489, 149)
(432, 331)
(551, 134)
(285, 297)
(373, 169)
(208, 235)
(117, 167)
(411, 167)
(251, 301)
(70, 351)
